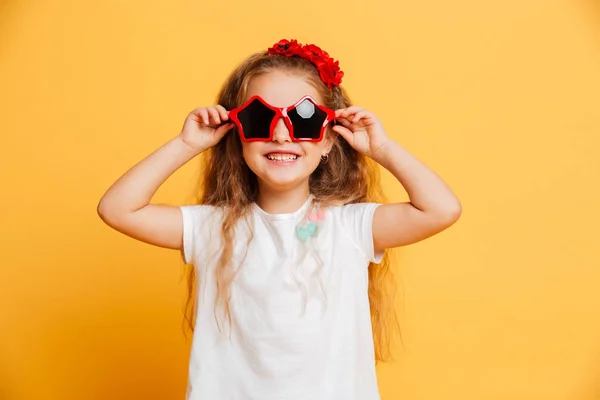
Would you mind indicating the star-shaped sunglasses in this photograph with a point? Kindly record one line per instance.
(306, 119)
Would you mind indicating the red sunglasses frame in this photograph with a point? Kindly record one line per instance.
(281, 113)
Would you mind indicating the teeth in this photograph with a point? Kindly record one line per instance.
(282, 157)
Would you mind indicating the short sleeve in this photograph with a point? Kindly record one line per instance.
(357, 221)
(198, 220)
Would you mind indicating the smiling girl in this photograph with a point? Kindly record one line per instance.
(288, 243)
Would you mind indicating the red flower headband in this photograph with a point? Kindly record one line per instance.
(329, 70)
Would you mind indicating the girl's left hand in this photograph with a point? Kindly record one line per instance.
(361, 129)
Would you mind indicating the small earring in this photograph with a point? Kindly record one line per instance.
(324, 159)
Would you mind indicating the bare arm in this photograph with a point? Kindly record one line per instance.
(126, 205)
(432, 207)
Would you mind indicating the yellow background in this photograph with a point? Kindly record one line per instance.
(501, 98)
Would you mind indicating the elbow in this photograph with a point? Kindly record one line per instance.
(107, 212)
(114, 214)
(448, 213)
(452, 212)
(103, 210)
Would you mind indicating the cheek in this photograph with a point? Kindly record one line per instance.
(251, 149)
(314, 150)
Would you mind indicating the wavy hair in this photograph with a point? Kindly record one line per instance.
(348, 177)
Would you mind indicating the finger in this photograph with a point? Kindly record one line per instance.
(360, 115)
(339, 112)
(344, 132)
(223, 129)
(222, 112)
(344, 121)
(351, 110)
(215, 119)
(202, 115)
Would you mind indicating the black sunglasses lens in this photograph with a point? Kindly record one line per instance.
(307, 120)
(256, 120)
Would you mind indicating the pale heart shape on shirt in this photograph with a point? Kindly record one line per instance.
(317, 215)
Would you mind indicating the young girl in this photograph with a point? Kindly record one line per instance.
(289, 240)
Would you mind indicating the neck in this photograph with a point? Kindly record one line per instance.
(286, 201)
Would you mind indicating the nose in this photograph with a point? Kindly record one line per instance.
(281, 133)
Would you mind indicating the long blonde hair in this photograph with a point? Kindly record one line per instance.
(348, 177)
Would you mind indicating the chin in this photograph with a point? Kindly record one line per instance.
(282, 175)
(282, 181)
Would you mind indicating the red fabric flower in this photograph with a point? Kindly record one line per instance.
(330, 73)
(313, 53)
(286, 48)
(329, 69)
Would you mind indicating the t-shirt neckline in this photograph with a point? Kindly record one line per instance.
(291, 215)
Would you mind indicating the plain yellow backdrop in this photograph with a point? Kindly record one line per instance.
(501, 98)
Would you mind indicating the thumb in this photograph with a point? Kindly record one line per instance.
(344, 132)
(223, 129)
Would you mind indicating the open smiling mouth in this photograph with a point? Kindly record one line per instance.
(282, 157)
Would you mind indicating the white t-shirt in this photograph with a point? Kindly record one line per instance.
(300, 321)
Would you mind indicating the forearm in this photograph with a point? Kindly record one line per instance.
(135, 189)
(426, 190)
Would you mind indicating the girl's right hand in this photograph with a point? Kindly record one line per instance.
(202, 128)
